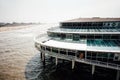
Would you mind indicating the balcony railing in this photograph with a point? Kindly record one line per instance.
(87, 61)
(58, 29)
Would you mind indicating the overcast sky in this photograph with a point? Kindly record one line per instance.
(56, 10)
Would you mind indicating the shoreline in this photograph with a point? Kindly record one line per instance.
(10, 28)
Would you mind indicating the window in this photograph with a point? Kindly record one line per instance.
(98, 36)
(58, 35)
(69, 36)
(82, 36)
(75, 37)
(79, 24)
(48, 48)
(62, 51)
(106, 36)
(90, 36)
(63, 36)
(115, 36)
(93, 55)
(42, 47)
(55, 50)
(111, 55)
(89, 55)
(81, 54)
(72, 53)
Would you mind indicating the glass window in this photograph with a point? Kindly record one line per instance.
(94, 54)
(106, 36)
(51, 34)
(97, 36)
(58, 35)
(111, 55)
(100, 55)
(42, 47)
(79, 24)
(55, 50)
(81, 54)
(88, 54)
(115, 36)
(90, 36)
(82, 36)
(69, 36)
(105, 55)
(48, 48)
(63, 36)
(76, 37)
(62, 51)
(72, 53)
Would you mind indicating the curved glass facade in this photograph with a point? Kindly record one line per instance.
(93, 42)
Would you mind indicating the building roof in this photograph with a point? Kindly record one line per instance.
(93, 19)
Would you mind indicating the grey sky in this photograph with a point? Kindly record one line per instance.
(56, 10)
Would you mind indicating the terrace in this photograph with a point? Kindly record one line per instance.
(98, 45)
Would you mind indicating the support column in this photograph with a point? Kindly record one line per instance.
(73, 64)
(85, 55)
(118, 75)
(93, 69)
(41, 55)
(43, 58)
(56, 61)
(51, 58)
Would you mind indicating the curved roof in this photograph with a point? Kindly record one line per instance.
(94, 19)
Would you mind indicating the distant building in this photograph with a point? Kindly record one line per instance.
(94, 41)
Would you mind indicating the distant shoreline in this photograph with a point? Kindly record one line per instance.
(14, 27)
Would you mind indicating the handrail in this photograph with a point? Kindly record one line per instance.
(98, 63)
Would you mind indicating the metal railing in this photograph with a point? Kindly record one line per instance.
(88, 61)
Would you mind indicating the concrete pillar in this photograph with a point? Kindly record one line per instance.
(63, 61)
(56, 60)
(73, 64)
(43, 58)
(51, 58)
(118, 75)
(93, 69)
(85, 55)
